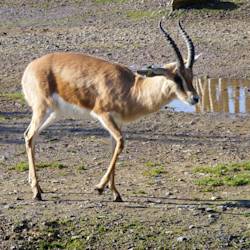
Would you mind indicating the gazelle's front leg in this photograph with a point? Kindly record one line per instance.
(109, 177)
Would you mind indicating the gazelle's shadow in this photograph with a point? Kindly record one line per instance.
(213, 5)
(145, 200)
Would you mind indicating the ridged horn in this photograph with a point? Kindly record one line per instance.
(190, 46)
(180, 62)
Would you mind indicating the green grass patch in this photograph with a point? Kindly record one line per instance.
(43, 244)
(154, 169)
(238, 180)
(56, 165)
(81, 167)
(15, 96)
(21, 166)
(231, 174)
(209, 181)
(2, 118)
(24, 166)
(75, 244)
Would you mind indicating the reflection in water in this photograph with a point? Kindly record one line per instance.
(219, 95)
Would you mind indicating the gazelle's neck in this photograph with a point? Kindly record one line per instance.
(153, 92)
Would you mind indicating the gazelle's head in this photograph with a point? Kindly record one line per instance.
(183, 71)
(180, 73)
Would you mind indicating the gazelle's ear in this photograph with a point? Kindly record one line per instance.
(171, 66)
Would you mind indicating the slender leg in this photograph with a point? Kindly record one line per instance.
(52, 117)
(109, 177)
(113, 145)
(111, 183)
(39, 118)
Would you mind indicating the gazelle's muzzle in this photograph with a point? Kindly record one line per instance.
(194, 99)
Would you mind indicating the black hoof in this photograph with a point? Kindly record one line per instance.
(38, 197)
(99, 190)
(118, 198)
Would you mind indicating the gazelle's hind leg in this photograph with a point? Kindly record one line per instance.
(41, 118)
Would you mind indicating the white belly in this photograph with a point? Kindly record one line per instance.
(69, 110)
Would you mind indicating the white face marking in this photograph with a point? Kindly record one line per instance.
(67, 109)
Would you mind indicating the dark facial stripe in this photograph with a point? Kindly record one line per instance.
(179, 82)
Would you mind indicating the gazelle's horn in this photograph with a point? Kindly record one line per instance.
(190, 47)
(180, 63)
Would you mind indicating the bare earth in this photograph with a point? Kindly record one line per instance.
(163, 206)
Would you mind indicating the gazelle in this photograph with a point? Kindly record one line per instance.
(61, 84)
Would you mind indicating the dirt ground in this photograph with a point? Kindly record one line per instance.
(165, 206)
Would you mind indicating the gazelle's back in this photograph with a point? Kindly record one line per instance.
(77, 78)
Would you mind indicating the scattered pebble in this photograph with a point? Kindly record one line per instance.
(74, 237)
(182, 238)
(213, 198)
(223, 208)
(168, 193)
(9, 206)
(183, 206)
(181, 180)
(212, 216)
(210, 210)
(3, 158)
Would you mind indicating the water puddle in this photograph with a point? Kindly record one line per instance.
(218, 95)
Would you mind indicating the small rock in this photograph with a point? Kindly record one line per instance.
(223, 208)
(212, 216)
(182, 238)
(191, 226)
(9, 206)
(21, 227)
(213, 198)
(181, 180)
(168, 193)
(202, 209)
(74, 237)
(3, 158)
(210, 210)
(55, 181)
(183, 206)
(30, 239)
(6, 237)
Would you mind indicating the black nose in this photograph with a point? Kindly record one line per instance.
(196, 99)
